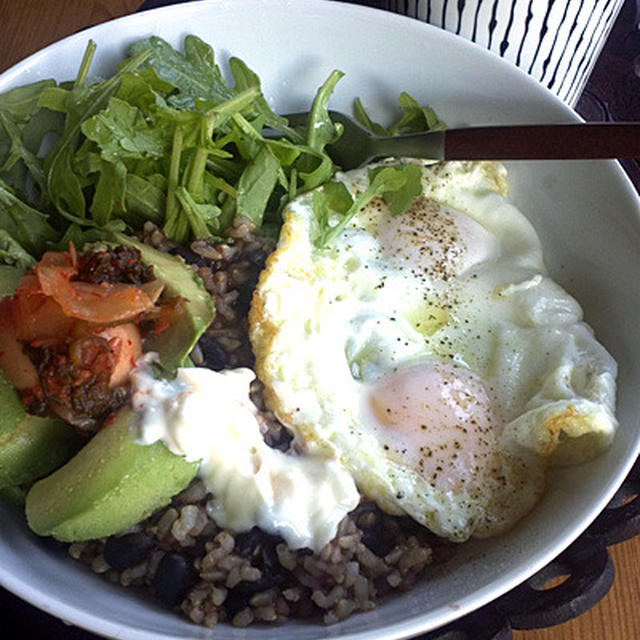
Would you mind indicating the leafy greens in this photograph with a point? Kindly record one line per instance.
(397, 185)
(168, 139)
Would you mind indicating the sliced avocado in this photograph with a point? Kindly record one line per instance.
(12, 410)
(175, 344)
(112, 483)
(36, 447)
(30, 447)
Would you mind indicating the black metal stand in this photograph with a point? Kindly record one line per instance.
(586, 566)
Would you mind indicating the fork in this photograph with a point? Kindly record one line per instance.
(357, 146)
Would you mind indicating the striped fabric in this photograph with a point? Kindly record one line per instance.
(555, 41)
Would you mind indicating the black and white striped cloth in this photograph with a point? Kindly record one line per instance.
(555, 41)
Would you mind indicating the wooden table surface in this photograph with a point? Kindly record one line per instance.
(28, 25)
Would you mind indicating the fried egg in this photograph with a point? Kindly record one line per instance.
(431, 353)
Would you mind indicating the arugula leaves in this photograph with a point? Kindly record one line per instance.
(165, 139)
(12, 253)
(414, 118)
(168, 139)
(24, 224)
(23, 126)
(256, 185)
(195, 75)
(402, 192)
(83, 100)
(397, 185)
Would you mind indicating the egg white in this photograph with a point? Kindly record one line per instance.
(453, 294)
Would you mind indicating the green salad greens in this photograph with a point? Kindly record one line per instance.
(168, 139)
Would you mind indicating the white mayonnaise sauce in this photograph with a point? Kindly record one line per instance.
(207, 415)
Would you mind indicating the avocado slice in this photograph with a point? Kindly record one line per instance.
(34, 448)
(113, 481)
(174, 345)
(30, 446)
(109, 485)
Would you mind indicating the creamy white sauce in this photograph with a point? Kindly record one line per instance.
(207, 415)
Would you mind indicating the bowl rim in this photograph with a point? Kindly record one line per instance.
(58, 607)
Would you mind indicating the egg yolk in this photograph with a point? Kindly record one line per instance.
(440, 420)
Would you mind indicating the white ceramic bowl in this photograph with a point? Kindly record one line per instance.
(587, 213)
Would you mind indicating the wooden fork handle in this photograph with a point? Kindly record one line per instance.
(544, 142)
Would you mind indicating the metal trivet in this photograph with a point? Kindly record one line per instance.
(586, 563)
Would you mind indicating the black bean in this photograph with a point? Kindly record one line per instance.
(238, 597)
(214, 354)
(127, 551)
(270, 562)
(174, 577)
(235, 602)
(198, 549)
(248, 542)
(260, 548)
(243, 590)
(376, 536)
(245, 294)
(381, 586)
(279, 437)
(411, 526)
(257, 257)
(189, 256)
